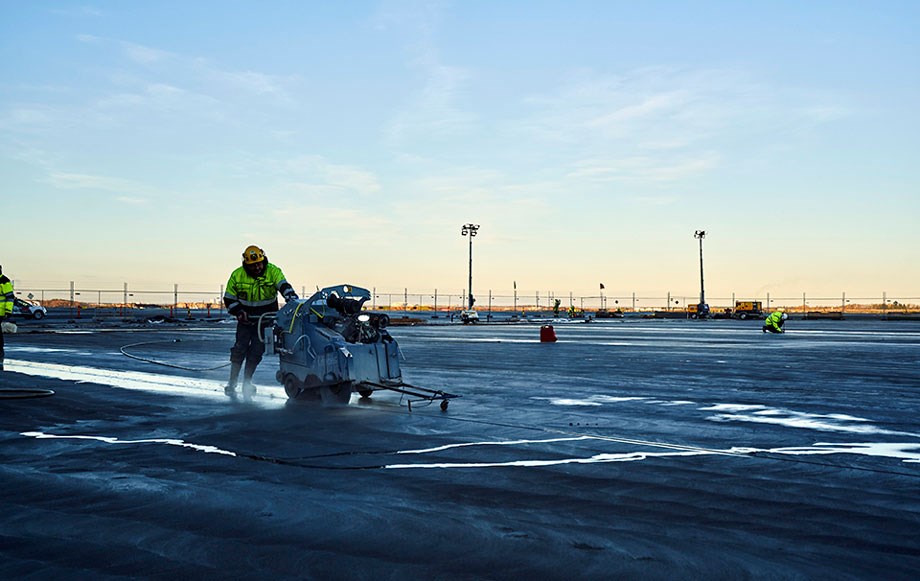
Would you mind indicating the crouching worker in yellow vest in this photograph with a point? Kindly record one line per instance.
(774, 321)
(252, 291)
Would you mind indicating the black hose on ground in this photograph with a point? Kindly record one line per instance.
(163, 363)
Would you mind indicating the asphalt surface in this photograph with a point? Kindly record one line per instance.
(630, 448)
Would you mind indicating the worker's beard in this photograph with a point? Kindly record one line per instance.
(251, 268)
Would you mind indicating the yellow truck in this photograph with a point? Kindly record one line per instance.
(747, 309)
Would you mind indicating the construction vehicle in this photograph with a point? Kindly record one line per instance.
(328, 347)
(698, 311)
(605, 314)
(748, 309)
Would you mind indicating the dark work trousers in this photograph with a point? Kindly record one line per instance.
(248, 347)
(1, 346)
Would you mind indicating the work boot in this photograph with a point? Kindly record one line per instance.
(249, 390)
(230, 388)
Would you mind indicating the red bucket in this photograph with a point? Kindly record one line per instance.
(547, 334)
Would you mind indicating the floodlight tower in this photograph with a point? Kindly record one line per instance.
(470, 229)
(702, 309)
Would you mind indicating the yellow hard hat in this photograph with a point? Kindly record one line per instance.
(252, 255)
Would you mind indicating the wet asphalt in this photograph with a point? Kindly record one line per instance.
(661, 449)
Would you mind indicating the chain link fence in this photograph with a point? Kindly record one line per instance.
(117, 299)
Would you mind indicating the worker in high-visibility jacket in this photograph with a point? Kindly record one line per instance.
(7, 300)
(774, 321)
(252, 291)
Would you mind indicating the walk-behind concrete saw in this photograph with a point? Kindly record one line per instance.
(329, 347)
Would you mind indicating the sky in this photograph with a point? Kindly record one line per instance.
(151, 142)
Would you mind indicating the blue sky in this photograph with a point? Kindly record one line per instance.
(150, 142)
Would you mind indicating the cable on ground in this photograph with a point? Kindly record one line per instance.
(163, 363)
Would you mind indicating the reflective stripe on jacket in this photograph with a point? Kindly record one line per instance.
(7, 297)
(256, 296)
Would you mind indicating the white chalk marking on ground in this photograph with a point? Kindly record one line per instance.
(906, 452)
(597, 458)
(732, 407)
(757, 414)
(110, 440)
(569, 401)
(614, 399)
(879, 449)
(594, 400)
(24, 349)
(801, 420)
(494, 443)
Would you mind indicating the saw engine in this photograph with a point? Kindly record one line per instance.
(328, 346)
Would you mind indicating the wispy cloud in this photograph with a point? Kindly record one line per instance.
(172, 68)
(254, 82)
(316, 174)
(74, 181)
(145, 54)
(661, 124)
(84, 10)
(29, 117)
(646, 105)
(437, 110)
(158, 97)
(132, 201)
(644, 168)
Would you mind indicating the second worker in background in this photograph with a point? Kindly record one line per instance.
(775, 321)
(252, 291)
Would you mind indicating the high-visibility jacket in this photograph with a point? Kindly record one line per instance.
(256, 296)
(7, 298)
(774, 320)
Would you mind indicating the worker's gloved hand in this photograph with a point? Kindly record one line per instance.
(242, 317)
(291, 297)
